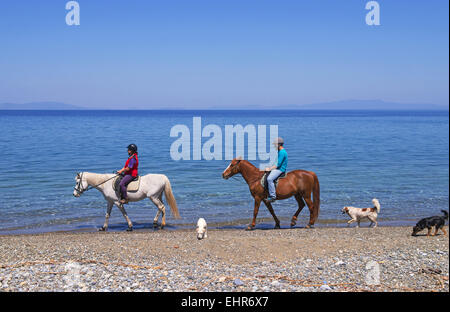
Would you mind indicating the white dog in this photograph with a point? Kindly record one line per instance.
(359, 214)
(202, 230)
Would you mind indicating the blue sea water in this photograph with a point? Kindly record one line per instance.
(399, 157)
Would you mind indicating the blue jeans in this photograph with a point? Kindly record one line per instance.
(272, 176)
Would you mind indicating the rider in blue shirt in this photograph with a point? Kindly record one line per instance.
(278, 169)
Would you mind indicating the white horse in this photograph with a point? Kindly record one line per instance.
(151, 186)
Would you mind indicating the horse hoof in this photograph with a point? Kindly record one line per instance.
(250, 228)
(277, 226)
(102, 229)
(310, 226)
(155, 225)
(293, 223)
(130, 229)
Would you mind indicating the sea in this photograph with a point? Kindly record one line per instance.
(399, 157)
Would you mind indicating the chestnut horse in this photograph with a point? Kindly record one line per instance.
(298, 183)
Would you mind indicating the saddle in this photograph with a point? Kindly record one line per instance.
(265, 184)
(132, 187)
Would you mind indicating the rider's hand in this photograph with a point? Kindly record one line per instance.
(267, 169)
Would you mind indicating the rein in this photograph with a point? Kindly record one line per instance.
(79, 184)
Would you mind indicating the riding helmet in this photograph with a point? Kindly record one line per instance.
(132, 147)
(279, 141)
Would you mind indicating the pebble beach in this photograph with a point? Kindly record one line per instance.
(383, 259)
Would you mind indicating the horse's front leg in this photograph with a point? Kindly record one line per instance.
(108, 214)
(124, 213)
(255, 214)
(272, 212)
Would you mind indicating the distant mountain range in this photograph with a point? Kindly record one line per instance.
(354, 105)
(370, 105)
(338, 105)
(39, 106)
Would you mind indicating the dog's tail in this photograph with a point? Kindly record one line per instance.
(376, 204)
(445, 214)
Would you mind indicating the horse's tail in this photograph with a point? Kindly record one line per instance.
(376, 204)
(445, 214)
(171, 199)
(316, 197)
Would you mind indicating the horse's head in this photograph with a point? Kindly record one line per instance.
(232, 169)
(80, 185)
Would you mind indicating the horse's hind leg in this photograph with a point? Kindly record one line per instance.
(301, 205)
(269, 206)
(312, 216)
(155, 219)
(124, 213)
(163, 221)
(255, 214)
(108, 214)
(161, 209)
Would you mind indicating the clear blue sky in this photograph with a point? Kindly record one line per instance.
(210, 53)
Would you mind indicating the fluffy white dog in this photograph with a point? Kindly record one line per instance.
(359, 214)
(202, 230)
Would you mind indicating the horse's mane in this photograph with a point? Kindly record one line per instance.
(253, 167)
(248, 162)
(96, 178)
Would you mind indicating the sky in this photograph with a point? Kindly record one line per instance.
(223, 53)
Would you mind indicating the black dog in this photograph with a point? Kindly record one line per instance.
(437, 221)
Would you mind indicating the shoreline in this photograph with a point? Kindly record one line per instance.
(241, 224)
(298, 259)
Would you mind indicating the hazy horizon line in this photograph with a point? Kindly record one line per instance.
(350, 104)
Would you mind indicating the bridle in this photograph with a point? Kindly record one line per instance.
(236, 178)
(233, 166)
(79, 187)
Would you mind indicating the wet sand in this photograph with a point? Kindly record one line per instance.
(320, 259)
